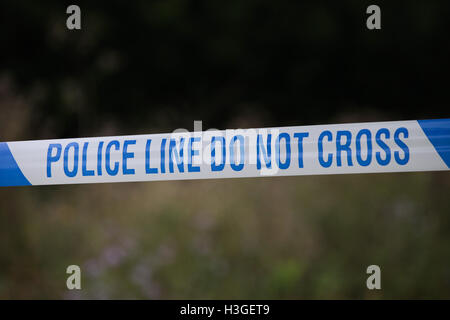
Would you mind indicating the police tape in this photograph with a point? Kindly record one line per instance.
(396, 146)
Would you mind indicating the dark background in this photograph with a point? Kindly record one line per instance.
(146, 66)
(155, 66)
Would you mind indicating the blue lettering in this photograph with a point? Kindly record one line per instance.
(85, 171)
(74, 171)
(240, 166)
(111, 172)
(368, 135)
(287, 162)
(329, 161)
(214, 166)
(149, 170)
(402, 145)
(51, 158)
(178, 156)
(127, 155)
(192, 153)
(383, 146)
(300, 136)
(99, 158)
(343, 147)
(163, 156)
(266, 153)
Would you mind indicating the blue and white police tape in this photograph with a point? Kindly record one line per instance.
(397, 146)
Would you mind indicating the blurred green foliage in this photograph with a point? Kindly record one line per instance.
(291, 237)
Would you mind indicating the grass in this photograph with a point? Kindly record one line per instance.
(288, 237)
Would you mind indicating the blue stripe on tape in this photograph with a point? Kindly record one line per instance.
(10, 174)
(438, 132)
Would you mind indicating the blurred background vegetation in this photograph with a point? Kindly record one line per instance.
(154, 66)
